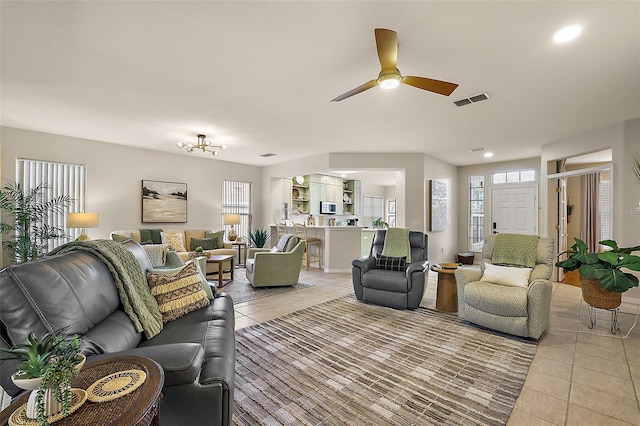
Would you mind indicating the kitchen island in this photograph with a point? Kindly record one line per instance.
(340, 245)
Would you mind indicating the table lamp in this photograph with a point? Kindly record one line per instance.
(82, 220)
(232, 219)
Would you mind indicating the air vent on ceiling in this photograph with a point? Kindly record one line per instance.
(268, 154)
(471, 99)
(482, 148)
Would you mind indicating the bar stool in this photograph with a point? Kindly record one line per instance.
(281, 229)
(300, 230)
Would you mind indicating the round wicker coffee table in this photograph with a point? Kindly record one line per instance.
(139, 407)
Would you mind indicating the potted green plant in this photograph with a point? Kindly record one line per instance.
(603, 270)
(379, 224)
(259, 237)
(29, 211)
(46, 366)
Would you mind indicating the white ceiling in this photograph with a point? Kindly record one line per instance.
(258, 76)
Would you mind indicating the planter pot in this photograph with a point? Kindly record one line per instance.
(51, 404)
(595, 295)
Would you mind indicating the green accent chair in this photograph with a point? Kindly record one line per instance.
(270, 268)
(517, 310)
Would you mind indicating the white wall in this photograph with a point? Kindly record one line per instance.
(485, 170)
(442, 245)
(115, 172)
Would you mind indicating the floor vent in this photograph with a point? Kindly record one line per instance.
(471, 99)
(268, 154)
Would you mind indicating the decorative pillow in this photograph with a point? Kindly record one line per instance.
(120, 238)
(391, 263)
(274, 250)
(219, 235)
(178, 294)
(172, 271)
(176, 240)
(506, 275)
(146, 242)
(205, 243)
(282, 244)
(151, 234)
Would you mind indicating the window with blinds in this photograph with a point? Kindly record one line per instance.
(372, 208)
(476, 213)
(236, 198)
(60, 179)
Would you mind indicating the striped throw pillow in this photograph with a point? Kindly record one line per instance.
(178, 294)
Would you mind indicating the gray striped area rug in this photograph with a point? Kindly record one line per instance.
(346, 362)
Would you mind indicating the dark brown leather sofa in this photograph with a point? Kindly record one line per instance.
(196, 351)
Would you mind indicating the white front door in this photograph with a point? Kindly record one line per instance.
(514, 210)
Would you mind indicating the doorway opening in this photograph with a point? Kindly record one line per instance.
(584, 203)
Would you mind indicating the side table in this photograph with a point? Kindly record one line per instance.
(140, 407)
(219, 259)
(447, 292)
(242, 250)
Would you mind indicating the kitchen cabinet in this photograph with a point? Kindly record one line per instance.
(300, 197)
(351, 194)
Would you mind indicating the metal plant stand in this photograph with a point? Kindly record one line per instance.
(615, 327)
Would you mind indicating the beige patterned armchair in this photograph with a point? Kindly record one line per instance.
(522, 310)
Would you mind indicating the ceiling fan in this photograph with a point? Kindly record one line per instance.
(389, 77)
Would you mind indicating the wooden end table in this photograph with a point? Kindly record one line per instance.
(220, 259)
(447, 292)
(141, 407)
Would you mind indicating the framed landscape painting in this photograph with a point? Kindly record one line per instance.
(164, 202)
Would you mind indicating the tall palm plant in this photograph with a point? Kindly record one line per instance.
(27, 213)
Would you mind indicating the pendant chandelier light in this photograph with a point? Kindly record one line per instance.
(202, 144)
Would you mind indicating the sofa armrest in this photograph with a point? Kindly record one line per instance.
(466, 276)
(181, 362)
(253, 250)
(539, 306)
(421, 266)
(364, 263)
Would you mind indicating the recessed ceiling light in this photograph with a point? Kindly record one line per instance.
(488, 154)
(567, 34)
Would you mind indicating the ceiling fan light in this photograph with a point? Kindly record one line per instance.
(389, 81)
(223, 147)
(567, 34)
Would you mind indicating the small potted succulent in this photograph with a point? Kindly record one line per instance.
(46, 366)
(602, 273)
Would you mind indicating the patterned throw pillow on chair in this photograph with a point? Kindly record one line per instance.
(391, 263)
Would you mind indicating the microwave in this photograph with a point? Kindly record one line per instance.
(327, 207)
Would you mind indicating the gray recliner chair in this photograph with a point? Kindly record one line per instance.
(394, 289)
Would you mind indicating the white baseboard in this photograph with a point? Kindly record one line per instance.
(337, 271)
(631, 300)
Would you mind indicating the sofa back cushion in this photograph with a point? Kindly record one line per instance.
(74, 290)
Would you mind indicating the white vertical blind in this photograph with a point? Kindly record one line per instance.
(236, 198)
(60, 179)
(606, 207)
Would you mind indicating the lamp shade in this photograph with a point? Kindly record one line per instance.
(231, 219)
(82, 220)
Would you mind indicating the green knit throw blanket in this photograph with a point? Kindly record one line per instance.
(396, 243)
(515, 249)
(132, 286)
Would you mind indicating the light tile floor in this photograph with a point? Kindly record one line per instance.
(578, 376)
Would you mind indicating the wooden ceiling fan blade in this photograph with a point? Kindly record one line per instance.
(436, 86)
(366, 86)
(387, 44)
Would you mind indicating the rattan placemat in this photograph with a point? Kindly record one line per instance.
(116, 385)
(19, 417)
